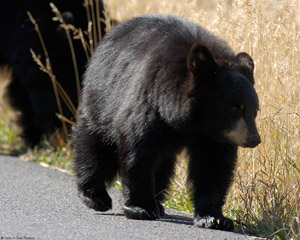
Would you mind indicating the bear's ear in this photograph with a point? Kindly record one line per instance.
(246, 64)
(200, 59)
(245, 60)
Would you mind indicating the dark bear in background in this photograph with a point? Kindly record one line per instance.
(155, 85)
(31, 90)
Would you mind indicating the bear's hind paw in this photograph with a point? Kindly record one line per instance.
(161, 210)
(96, 203)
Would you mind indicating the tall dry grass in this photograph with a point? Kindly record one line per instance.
(265, 196)
(89, 38)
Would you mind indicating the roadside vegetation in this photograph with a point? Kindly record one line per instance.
(265, 197)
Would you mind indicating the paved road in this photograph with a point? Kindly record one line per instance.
(41, 203)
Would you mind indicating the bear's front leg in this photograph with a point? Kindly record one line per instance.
(96, 165)
(210, 171)
(138, 187)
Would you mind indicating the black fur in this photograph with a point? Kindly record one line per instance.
(155, 85)
(31, 91)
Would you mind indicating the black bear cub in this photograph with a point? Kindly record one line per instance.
(155, 85)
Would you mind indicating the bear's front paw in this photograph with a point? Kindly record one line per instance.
(209, 222)
(134, 212)
(101, 204)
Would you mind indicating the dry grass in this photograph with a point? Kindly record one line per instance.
(89, 38)
(265, 196)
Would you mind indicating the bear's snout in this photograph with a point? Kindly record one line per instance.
(253, 141)
(243, 134)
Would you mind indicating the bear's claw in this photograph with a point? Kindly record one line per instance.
(209, 222)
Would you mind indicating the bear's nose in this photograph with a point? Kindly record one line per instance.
(253, 140)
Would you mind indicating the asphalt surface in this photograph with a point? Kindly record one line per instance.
(41, 203)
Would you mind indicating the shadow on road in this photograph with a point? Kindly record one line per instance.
(167, 218)
(109, 214)
(177, 219)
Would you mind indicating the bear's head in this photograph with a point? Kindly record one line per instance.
(225, 101)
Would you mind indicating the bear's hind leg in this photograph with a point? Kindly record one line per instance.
(96, 165)
(138, 184)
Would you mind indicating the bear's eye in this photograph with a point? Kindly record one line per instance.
(237, 107)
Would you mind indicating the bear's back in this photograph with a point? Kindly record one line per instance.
(142, 41)
(140, 60)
